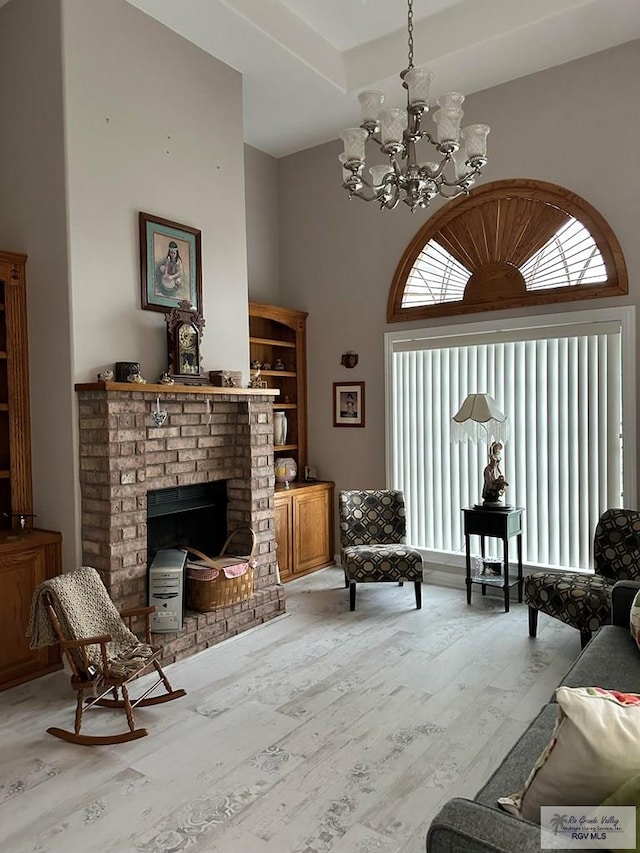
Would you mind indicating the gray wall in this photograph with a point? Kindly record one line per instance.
(153, 123)
(261, 198)
(573, 125)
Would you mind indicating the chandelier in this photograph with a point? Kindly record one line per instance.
(462, 153)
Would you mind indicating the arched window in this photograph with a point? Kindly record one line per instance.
(510, 243)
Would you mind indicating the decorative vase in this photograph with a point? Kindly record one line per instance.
(279, 428)
(285, 470)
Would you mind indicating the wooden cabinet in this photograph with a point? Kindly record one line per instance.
(26, 560)
(277, 339)
(304, 528)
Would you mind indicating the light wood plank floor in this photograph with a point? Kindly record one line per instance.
(323, 730)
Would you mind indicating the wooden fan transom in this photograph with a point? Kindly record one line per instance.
(509, 244)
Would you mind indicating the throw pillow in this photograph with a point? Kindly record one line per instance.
(628, 795)
(634, 619)
(594, 750)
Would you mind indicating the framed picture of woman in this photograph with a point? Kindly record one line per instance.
(170, 264)
(348, 404)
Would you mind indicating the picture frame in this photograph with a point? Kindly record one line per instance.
(348, 404)
(170, 264)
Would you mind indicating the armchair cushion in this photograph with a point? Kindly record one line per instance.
(373, 563)
(580, 600)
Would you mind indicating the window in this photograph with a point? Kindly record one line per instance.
(560, 382)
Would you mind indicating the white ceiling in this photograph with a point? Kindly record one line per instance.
(303, 61)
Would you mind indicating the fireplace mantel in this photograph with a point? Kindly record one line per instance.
(210, 434)
(176, 389)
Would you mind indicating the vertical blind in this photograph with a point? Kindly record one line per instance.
(560, 387)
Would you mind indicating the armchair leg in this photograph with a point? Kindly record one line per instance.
(418, 586)
(585, 636)
(533, 621)
(352, 595)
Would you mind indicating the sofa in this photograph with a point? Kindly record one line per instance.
(610, 660)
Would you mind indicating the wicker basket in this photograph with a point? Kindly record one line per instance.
(208, 588)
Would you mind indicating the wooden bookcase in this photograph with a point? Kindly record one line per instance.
(15, 431)
(279, 335)
(26, 558)
(304, 511)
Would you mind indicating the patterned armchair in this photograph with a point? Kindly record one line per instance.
(372, 541)
(584, 601)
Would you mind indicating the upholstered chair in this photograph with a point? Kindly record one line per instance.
(584, 600)
(372, 541)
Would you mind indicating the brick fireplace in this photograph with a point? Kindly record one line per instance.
(210, 434)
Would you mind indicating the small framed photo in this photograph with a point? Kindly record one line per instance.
(170, 264)
(348, 404)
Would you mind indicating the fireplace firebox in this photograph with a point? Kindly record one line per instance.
(182, 516)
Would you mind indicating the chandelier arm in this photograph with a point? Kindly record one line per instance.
(460, 183)
(459, 190)
(368, 192)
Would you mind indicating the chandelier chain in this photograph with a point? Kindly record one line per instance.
(410, 31)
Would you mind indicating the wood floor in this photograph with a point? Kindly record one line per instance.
(323, 730)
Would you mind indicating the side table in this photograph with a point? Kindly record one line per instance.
(498, 524)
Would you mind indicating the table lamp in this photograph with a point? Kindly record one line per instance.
(480, 419)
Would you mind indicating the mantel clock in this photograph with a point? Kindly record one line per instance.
(184, 335)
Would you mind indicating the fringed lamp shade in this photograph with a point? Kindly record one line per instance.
(479, 419)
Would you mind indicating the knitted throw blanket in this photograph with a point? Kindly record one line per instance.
(84, 609)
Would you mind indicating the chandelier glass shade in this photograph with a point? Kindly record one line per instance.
(457, 156)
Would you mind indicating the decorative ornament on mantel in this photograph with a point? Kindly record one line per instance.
(159, 416)
(398, 131)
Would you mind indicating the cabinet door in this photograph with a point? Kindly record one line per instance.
(20, 574)
(283, 521)
(311, 535)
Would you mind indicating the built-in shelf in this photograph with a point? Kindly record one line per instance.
(280, 447)
(289, 373)
(4, 407)
(279, 406)
(273, 343)
(5, 475)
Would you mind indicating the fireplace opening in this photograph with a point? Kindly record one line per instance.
(182, 516)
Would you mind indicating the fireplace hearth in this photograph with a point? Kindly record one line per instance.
(217, 439)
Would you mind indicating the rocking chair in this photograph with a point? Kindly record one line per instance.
(101, 651)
